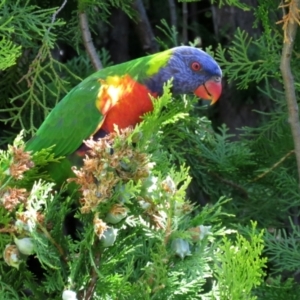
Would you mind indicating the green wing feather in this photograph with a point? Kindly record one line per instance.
(74, 119)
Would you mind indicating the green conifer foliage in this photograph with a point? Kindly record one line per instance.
(137, 234)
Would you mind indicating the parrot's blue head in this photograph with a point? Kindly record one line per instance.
(193, 71)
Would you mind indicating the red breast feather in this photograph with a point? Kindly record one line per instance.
(122, 101)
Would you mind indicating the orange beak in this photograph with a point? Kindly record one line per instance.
(210, 90)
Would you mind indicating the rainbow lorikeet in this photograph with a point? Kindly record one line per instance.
(120, 95)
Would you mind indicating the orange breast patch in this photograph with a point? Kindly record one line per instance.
(122, 101)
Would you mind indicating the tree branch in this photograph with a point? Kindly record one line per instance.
(94, 276)
(51, 239)
(228, 182)
(173, 14)
(290, 25)
(56, 13)
(280, 161)
(184, 23)
(88, 292)
(88, 42)
(290, 29)
(144, 29)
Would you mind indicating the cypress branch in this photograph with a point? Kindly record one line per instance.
(290, 26)
(88, 41)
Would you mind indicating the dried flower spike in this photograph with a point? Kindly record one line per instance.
(109, 161)
(26, 221)
(169, 185)
(12, 197)
(21, 162)
(117, 213)
(199, 232)
(11, 256)
(99, 227)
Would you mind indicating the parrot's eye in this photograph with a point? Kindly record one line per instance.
(195, 66)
